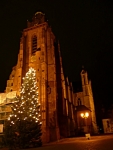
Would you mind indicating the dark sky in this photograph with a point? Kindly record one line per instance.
(85, 32)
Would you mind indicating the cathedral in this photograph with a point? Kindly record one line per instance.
(62, 109)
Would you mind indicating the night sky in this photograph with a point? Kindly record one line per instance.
(85, 32)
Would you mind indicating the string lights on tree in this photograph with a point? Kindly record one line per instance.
(25, 118)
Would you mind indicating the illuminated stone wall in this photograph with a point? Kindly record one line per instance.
(86, 98)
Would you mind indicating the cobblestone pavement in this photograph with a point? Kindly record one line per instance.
(95, 143)
(104, 142)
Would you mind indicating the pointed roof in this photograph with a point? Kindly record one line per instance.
(82, 108)
(83, 70)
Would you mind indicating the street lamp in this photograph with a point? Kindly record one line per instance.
(85, 116)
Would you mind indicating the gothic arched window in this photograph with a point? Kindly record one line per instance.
(79, 102)
(34, 44)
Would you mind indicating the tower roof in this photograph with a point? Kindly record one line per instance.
(83, 70)
(39, 12)
(38, 18)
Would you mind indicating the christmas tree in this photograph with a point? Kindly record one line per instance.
(24, 121)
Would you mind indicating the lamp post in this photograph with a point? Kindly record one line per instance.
(85, 116)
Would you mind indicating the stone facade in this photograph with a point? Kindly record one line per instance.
(40, 49)
(85, 97)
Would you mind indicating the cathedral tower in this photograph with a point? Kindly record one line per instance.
(88, 100)
(38, 47)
